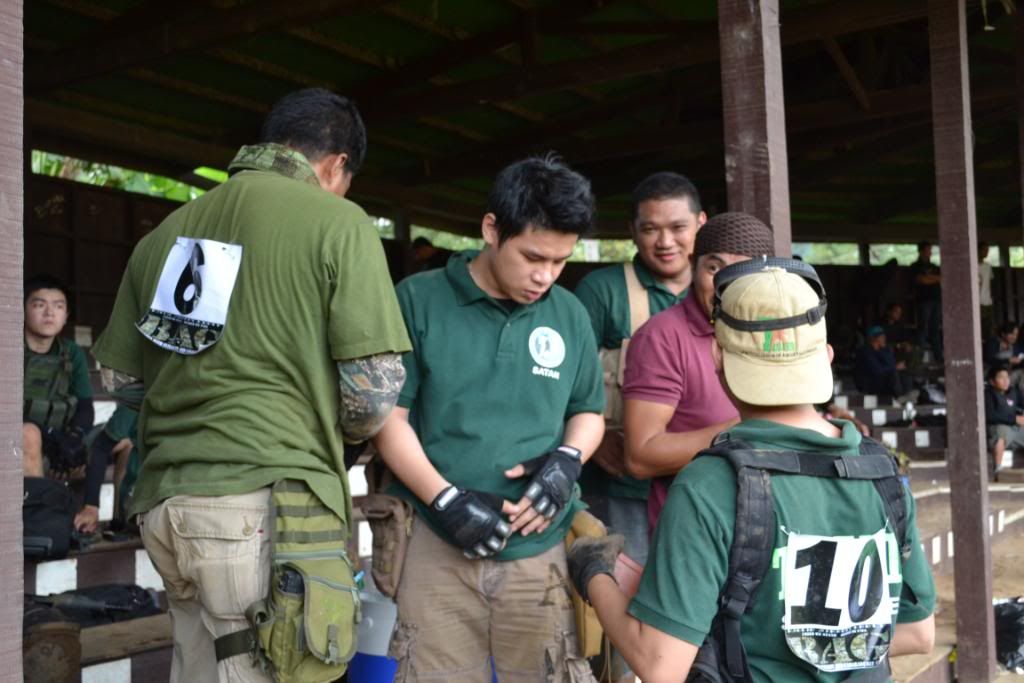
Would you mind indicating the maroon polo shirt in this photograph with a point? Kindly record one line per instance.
(669, 361)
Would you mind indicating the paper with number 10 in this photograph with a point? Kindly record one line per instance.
(839, 609)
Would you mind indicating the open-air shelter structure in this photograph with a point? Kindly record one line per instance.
(832, 120)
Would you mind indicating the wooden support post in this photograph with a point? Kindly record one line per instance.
(864, 253)
(966, 453)
(12, 336)
(756, 171)
(1005, 301)
(1020, 111)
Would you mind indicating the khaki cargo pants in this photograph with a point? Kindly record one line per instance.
(455, 615)
(213, 554)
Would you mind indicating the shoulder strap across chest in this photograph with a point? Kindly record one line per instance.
(639, 302)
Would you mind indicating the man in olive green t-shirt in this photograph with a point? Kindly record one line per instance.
(837, 596)
(501, 407)
(262, 322)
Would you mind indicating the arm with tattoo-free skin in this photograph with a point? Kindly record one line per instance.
(369, 390)
(651, 450)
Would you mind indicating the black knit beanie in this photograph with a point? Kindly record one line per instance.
(734, 232)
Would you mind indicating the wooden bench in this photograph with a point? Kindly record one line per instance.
(133, 650)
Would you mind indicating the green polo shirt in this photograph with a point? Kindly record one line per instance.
(261, 404)
(604, 295)
(689, 557)
(488, 389)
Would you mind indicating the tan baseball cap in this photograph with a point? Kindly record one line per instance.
(770, 325)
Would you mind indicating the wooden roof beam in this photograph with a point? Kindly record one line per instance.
(167, 40)
(466, 50)
(847, 71)
(181, 154)
(702, 47)
(801, 119)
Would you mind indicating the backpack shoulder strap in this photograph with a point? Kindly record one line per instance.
(893, 494)
(639, 303)
(751, 553)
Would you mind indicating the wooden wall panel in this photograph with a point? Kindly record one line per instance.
(84, 235)
(101, 215)
(12, 339)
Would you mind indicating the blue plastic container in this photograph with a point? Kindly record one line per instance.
(371, 669)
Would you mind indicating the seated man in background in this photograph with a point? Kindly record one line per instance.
(58, 410)
(1004, 406)
(1002, 350)
(878, 372)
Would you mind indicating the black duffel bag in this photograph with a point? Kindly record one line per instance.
(48, 515)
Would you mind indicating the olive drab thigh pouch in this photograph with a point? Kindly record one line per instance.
(390, 520)
(306, 627)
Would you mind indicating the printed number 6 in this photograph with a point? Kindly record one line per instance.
(190, 284)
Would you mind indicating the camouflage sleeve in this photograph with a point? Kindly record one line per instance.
(125, 389)
(369, 390)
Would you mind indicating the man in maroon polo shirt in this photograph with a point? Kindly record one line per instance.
(674, 403)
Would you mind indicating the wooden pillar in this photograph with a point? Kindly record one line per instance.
(1020, 112)
(12, 338)
(966, 454)
(756, 170)
(864, 253)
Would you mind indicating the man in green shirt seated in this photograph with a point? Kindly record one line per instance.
(261, 321)
(838, 594)
(501, 406)
(58, 410)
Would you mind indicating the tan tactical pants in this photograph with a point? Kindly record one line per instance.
(214, 557)
(455, 615)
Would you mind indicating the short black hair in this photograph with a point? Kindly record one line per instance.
(44, 281)
(1007, 327)
(422, 241)
(922, 245)
(318, 122)
(995, 370)
(664, 185)
(544, 193)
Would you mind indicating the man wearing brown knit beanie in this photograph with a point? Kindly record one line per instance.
(674, 403)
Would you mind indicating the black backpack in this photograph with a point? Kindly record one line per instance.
(722, 657)
(48, 516)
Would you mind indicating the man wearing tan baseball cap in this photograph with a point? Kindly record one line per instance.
(770, 329)
(790, 547)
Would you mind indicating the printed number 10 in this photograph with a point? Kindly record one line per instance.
(865, 591)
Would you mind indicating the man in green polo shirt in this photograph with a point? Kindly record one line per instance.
(261, 320)
(836, 596)
(501, 406)
(665, 217)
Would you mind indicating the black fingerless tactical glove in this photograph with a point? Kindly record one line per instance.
(554, 476)
(72, 448)
(473, 520)
(589, 557)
